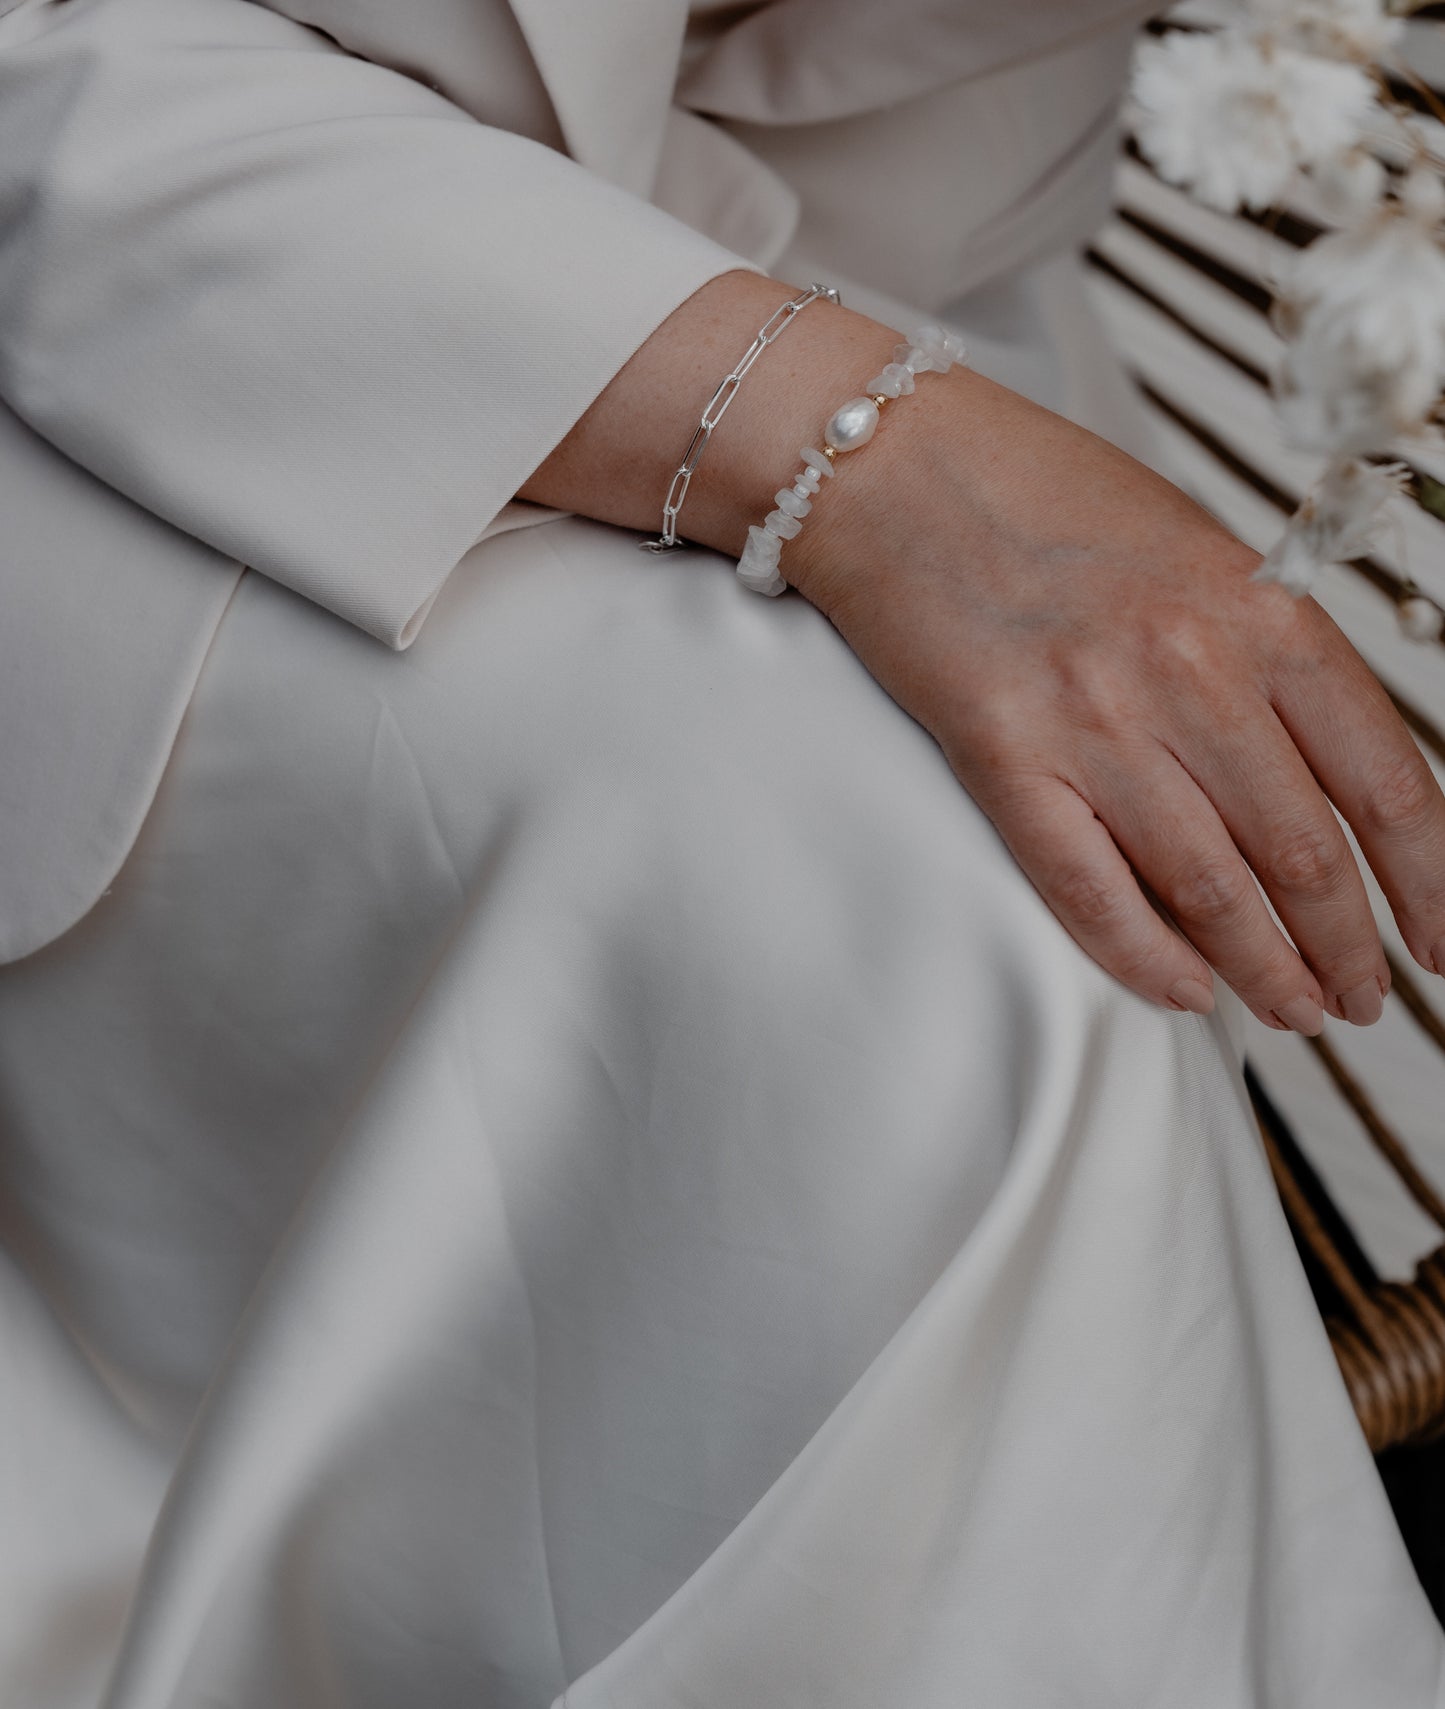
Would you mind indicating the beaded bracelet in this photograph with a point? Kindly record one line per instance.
(771, 330)
(929, 349)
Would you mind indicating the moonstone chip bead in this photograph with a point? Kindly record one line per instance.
(763, 545)
(853, 425)
(807, 483)
(757, 569)
(919, 360)
(758, 577)
(772, 587)
(794, 503)
(893, 381)
(931, 336)
(817, 462)
(780, 523)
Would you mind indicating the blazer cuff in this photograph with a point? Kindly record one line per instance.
(298, 304)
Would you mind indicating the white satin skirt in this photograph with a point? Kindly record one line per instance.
(572, 1168)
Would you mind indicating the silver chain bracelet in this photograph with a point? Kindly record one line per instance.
(773, 328)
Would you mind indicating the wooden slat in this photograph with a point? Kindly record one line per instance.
(1159, 351)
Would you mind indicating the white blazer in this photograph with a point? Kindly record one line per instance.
(310, 287)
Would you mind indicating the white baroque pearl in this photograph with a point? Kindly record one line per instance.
(780, 523)
(1421, 619)
(791, 502)
(853, 425)
(817, 462)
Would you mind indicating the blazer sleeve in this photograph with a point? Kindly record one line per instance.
(299, 304)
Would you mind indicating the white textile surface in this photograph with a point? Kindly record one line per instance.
(653, 1211)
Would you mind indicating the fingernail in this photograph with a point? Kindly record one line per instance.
(1190, 994)
(1364, 1005)
(1437, 954)
(1304, 1015)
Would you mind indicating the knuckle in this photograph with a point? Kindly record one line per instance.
(985, 737)
(1210, 893)
(1307, 858)
(1087, 897)
(1186, 641)
(1402, 796)
(1288, 625)
(1426, 909)
(1097, 697)
(992, 744)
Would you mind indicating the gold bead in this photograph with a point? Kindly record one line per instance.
(830, 452)
(880, 399)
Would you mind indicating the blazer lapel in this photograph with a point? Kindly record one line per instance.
(609, 67)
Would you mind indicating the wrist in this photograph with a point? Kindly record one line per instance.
(780, 408)
(618, 460)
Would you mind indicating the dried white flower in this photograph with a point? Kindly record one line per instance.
(1233, 117)
(1349, 501)
(1235, 114)
(1365, 310)
(1335, 522)
(1291, 563)
(1360, 30)
(1422, 196)
(1351, 186)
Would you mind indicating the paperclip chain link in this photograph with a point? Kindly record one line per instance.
(772, 329)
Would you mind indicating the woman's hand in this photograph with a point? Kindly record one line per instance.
(1134, 713)
(1138, 718)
